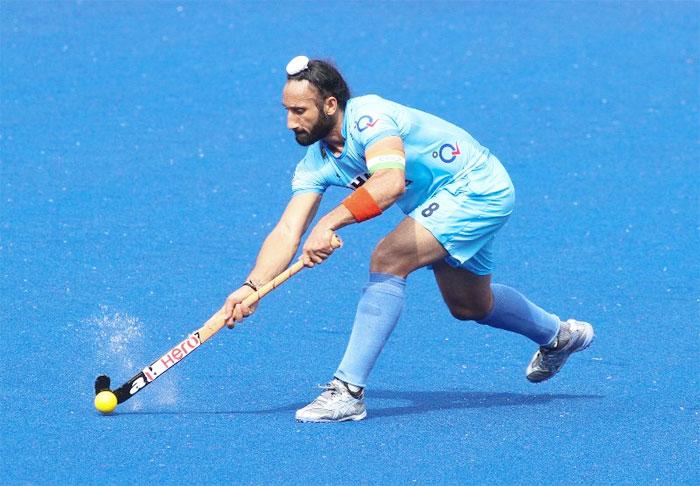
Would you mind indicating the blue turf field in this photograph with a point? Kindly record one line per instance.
(145, 156)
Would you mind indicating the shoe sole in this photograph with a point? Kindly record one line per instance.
(586, 345)
(353, 418)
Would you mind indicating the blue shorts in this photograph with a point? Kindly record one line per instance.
(465, 214)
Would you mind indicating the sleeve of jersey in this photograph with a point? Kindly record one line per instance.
(372, 127)
(307, 178)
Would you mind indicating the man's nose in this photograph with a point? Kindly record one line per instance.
(292, 123)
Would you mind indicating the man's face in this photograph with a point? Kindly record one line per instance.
(305, 114)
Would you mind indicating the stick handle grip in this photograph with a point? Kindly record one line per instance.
(218, 320)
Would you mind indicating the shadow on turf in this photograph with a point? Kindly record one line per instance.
(418, 402)
(428, 401)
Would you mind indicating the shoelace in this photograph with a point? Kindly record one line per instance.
(330, 387)
(549, 359)
(554, 356)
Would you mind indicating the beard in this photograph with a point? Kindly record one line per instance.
(321, 128)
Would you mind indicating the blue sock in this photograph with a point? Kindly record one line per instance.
(513, 312)
(377, 314)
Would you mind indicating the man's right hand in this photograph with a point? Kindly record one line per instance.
(234, 308)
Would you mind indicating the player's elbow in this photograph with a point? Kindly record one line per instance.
(391, 193)
(400, 186)
(387, 185)
(395, 184)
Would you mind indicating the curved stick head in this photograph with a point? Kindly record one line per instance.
(102, 383)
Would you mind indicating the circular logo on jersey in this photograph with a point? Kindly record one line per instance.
(365, 122)
(447, 153)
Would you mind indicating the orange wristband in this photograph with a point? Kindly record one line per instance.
(362, 205)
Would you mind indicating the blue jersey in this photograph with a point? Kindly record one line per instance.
(437, 152)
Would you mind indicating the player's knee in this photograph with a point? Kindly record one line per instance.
(472, 312)
(385, 261)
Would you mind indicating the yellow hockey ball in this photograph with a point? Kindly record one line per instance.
(105, 402)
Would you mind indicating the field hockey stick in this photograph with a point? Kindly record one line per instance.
(215, 323)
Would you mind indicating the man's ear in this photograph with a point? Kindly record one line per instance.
(330, 105)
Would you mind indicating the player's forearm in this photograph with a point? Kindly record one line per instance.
(276, 253)
(336, 219)
(385, 187)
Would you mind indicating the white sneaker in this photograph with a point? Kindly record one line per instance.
(573, 336)
(335, 404)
